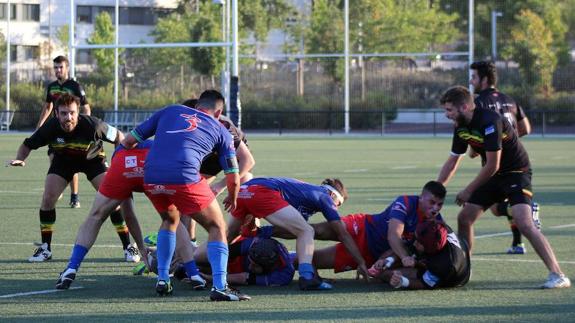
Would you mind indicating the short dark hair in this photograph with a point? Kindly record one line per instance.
(485, 69)
(435, 188)
(457, 95)
(209, 99)
(61, 59)
(190, 103)
(338, 185)
(66, 100)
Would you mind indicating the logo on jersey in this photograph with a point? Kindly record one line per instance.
(136, 172)
(192, 121)
(130, 161)
(489, 130)
(60, 140)
(398, 206)
(160, 189)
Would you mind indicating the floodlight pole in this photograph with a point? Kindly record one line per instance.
(471, 39)
(235, 53)
(71, 49)
(8, 45)
(346, 54)
(494, 15)
(116, 58)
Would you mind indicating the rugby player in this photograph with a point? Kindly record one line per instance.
(484, 81)
(183, 137)
(506, 174)
(288, 203)
(77, 143)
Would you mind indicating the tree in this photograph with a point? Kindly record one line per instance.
(2, 46)
(103, 34)
(531, 44)
(63, 35)
(207, 60)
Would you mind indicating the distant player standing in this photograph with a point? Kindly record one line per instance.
(484, 80)
(62, 85)
(183, 137)
(506, 173)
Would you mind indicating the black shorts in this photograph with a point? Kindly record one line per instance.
(66, 167)
(515, 186)
(211, 165)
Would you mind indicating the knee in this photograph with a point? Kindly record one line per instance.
(464, 220)
(49, 200)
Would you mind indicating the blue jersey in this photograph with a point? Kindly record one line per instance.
(306, 198)
(146, 144)
(183, 137)
(404, 209)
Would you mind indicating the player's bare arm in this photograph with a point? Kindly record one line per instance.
(234, 225)
(449, 168)
(491, 167)
(394, 232)
(347, 240)
(129, 141)
(86, 109)
(523, 127)
(21, 155)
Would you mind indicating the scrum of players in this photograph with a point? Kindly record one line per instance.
(408, 245)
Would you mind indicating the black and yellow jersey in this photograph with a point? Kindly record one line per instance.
(89, 132)
(487, 131)
(492, 99)
(55, 90)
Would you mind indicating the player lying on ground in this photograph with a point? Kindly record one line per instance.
(442, 260)
(378, 234)
(288, 203)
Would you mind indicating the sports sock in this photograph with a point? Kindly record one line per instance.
(74, 197)
(121, 228)
(516, 235)
(218, 256)
(305, 270)
(165, 252)
(191, 268)
(47, 220)
(78, 254)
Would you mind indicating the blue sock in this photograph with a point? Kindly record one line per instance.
(305, 270)
(191, 269)
(165, 253)
(78, 254)
(218, 256)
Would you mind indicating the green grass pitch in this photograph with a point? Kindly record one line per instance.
(375, 170)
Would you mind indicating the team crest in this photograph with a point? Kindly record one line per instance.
(192, 121)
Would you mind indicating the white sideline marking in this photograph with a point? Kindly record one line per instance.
(509, 233)
(562, 226)
(306, 174)
(404, 167)
(518, 260)
(38, 292)
(58, 244)
(19, 192)
(377, 199)
(360, 170)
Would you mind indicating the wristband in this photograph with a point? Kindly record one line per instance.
(404, 282)
(389, 262)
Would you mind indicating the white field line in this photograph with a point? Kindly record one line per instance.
(562, 226)
(38, 292)
(508, 233)
(517, 260)
(18, 192)
(404, 167)
(359, 170)
(58, 244)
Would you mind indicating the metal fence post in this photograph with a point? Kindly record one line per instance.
(544, 125)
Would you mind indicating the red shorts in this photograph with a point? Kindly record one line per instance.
(187, 198)
(355, 225)
(125, 175)
(258, 201)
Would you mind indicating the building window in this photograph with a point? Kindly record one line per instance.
(30, 12)
(30, 52)
(84, 14)
(83, 56)
(13, 53)
(3, 11)
(140, 16)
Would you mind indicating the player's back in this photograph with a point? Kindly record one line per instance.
(501, 103)
(183, 137)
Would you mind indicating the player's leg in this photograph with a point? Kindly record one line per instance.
(74, 197)
(465, 220)
(130, 253)
(190, 225)
(87, 234)
(522, 215)
(325, 258)
(185, 252)
(165, 248)
(53, 187)
(504, 209)
(324, 231)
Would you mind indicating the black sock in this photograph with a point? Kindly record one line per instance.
(503, 209)
(121, 228)
(516, 235)
(47, 220)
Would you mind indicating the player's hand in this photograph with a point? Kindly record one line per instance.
(230, 203)
(144, 257)
(15, 162)
(379, 264)
(362, 272)
(408, 261)
(462, 197)
(395, 280)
